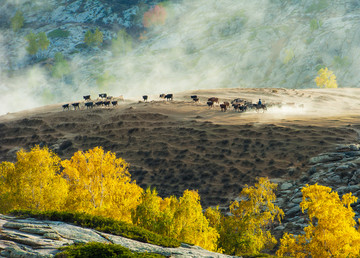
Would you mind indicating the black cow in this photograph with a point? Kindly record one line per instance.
(107, 103)
(169, 96)
(114, 103)
(89, 104)
(210, 103)
(76, 105)
(194, 98)
(145, 97)
(99, 103)
(223, 107)
(239, 107)
(103, 95)
(65, 106)
(87, 97)
(243, 108)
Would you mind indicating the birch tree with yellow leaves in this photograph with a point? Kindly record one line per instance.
(32, 182)
(248, 229)
(326, 79)
(332, 228)
(100, 184)
(181, 218)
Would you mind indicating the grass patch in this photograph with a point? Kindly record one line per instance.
(103, 224)
(58, 33)
(257, 255)
(94, 249)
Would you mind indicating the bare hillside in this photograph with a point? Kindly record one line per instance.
(177, 145)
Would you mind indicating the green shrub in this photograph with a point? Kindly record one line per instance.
(17, 22)
(319, 66)
(315, 24)
(95, 38)
(36, 41)
(58, 33)
(103, 224)
(33, 45)
(94, 249)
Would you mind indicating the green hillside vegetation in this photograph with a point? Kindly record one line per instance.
(58, 33)
(17, 22)
(36, 42)
(94, 249)
(174, 37)
(93, 38)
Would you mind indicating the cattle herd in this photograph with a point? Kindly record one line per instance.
(238, 104)
(102, 101)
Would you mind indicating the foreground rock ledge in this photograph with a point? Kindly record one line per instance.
(39, 238)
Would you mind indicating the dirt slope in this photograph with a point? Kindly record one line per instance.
(177, 145)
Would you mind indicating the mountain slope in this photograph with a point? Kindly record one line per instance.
(201, 44)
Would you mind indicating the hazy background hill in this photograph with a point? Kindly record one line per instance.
(187, 45)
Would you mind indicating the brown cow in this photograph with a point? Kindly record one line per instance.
(214, 100)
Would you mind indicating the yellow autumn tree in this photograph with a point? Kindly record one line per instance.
(32, 182)
(100, 184)
(332, 229)
(191, 224)
(148, 212)
(247, 230)
(214, 217)
(326, 79)
(181, 218)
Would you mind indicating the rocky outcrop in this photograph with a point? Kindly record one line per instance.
(339, 170)
(36, 238)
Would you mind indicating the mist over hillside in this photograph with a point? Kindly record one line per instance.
(183, 45)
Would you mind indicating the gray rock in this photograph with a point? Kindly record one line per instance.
(19, 225)
(297, 195)
(52, 235)
(326, 158)
(352, 153)
(38, 239)
(347, 189)
(343, 167)
(296, 200)
(293, 211)
(286, 186)
(37, 230)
